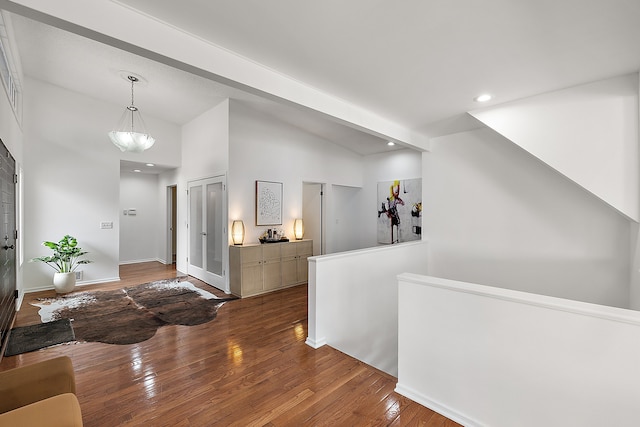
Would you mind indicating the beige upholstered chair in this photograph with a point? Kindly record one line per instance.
(40, 394)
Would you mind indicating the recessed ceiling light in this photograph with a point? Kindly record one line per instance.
(482, 98)
(391, 143)
(150, 165)
(137, 170)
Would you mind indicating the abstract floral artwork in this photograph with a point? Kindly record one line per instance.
(268, 203)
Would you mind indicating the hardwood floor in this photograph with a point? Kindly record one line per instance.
(248, 367)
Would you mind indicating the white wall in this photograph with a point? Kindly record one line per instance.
(139, 237)
(72, 177)
(400, 164)
(262, 148)
(485, 356)
(495, 215)
(588, 133)
(205, 153)
(345, 217)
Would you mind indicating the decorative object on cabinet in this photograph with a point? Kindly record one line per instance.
(272, 236)
(237, 232)
(268, 203)
(257, 269)
(298, 228)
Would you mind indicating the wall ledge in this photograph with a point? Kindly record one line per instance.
(559, 304)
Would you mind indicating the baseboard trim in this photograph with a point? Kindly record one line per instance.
(436, 406)
(138, 261)
(83, 283)
(315, 343)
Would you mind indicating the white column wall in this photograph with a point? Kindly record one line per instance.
(205, 153)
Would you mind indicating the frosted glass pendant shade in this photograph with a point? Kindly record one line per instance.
(130, 134)
(133, 142)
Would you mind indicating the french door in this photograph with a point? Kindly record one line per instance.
(208, 231)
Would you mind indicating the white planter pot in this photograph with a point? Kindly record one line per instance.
(64, 282)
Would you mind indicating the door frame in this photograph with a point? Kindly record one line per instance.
(171, 226)
(319, 237)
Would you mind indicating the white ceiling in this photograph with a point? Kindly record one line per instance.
(419, 63)
(99, 71)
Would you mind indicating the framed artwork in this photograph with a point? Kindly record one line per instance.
(268, 203)
(399, 211)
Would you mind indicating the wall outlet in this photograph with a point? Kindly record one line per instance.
(79, 275)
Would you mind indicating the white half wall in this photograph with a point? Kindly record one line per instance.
(588, 133)
(493, 214)
(353, 300)
(485, 356)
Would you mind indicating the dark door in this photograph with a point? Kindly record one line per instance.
(8, 236)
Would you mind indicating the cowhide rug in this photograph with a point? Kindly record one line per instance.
(131, 315)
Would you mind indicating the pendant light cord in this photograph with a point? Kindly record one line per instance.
(132, 108)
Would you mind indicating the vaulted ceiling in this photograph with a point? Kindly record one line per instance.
(417, 63)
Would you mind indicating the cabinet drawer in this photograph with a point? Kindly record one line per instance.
(271, 251)
(289, 251)
(305, 248)
(251, 255)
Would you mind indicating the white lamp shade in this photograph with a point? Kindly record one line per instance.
(133, 142)
(131, 134)
(298, 228)
(237, 232)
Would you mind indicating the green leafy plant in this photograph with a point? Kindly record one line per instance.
(66, 255)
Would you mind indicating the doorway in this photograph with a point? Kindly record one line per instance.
(172, 215)
(8, 236)
(313, 215)
(208, 240)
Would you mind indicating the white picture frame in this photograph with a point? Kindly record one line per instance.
(268, 203)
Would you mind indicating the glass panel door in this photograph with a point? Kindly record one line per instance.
(215, 227)
(195, 225)
(207, 231)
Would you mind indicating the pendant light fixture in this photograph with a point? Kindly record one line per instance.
(131, 134)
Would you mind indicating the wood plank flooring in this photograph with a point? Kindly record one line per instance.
(248, 367)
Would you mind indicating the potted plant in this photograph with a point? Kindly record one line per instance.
(65, 259)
